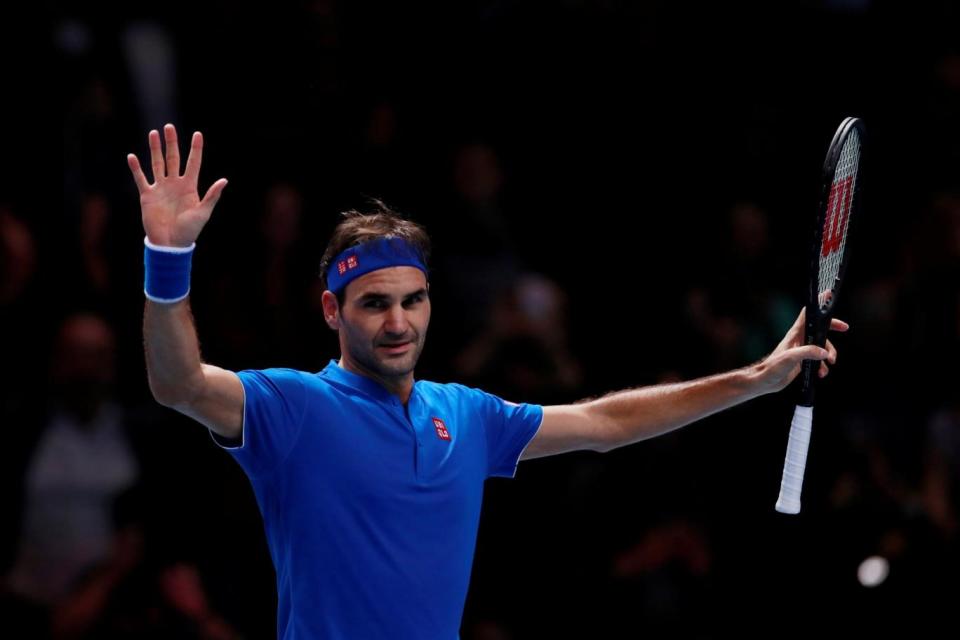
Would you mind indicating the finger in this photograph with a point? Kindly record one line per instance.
(801, 318)
(838, 325)
(823, 370)
(808, 352)
(213, 193)
(192, 170)
(795, 334)
(792, 337)
(173, 150)
(156, 156)
(138, 177)
(832, 350)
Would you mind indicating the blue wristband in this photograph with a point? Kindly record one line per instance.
(166, 273)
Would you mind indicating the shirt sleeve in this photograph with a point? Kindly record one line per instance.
(509, 429)
(274, 404)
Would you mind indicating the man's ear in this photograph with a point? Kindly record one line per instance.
(331, 310)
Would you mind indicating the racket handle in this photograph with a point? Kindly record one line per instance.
(796, 460)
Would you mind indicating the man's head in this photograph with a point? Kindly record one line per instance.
(83, 367)
(386, 306)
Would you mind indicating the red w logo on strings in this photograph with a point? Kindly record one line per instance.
(838, 212)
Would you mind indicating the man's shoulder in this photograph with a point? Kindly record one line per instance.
(278, 373)
(281, 378)
(466, 392)
(441, 387)
(454, 391)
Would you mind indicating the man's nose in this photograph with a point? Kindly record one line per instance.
(396, 321)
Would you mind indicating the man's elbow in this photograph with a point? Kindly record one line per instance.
(166, 396)
(607, 434)
(173, 396)
(604, 445)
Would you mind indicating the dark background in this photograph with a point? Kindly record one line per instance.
(657, 162)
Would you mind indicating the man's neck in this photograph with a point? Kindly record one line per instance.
(400, 387)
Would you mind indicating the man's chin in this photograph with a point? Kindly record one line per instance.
(397, 365)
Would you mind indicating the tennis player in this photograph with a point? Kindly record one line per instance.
(370, 481)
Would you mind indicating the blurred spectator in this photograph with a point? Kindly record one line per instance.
(738, 309)
(380, 166)
(75, 465)
(262, 306)
(941, 481)
(21, 301)
(137, 592)
(18, 257)
(660, 579)
(931, 301)
(523, 351)
(150, 52)
(476, 246)
(101, 277)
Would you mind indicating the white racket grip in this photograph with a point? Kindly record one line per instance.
(796, 461)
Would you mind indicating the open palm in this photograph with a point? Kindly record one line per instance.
(173, 212)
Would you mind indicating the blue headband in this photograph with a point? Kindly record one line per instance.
(370, 256)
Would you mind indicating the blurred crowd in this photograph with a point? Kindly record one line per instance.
(575, 254)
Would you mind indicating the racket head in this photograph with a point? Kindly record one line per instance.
(838, 209)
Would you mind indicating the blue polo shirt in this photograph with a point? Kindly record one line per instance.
(371, 507)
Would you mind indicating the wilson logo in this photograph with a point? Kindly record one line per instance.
(838, 213)
(441, 428)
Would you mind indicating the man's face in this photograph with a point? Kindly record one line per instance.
(83, 365)
(382, 309)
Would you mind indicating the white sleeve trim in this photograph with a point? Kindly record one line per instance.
(535, 432)
(243, 427)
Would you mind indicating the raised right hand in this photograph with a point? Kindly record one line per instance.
(172, 211)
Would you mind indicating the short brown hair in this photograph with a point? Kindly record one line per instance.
(358, 227)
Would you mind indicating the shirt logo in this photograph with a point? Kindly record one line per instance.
(441, 428)
(345, 265)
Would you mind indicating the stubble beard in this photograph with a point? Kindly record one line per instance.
(388, 367)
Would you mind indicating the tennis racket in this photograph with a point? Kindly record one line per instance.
(839, 203)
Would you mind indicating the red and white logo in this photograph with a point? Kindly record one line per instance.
(838, 211)
(345, 265)
(441, 428)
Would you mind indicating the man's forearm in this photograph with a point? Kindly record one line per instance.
(172, 351)
(637, 414)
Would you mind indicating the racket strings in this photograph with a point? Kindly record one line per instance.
(837, 218)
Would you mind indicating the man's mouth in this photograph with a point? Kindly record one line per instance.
(396, 347)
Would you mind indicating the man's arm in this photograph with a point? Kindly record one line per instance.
(179, 380)
(173, 216)
(629, 416)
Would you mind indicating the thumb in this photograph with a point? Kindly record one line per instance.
(213, 193)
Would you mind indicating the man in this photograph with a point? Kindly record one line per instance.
(369, 481)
